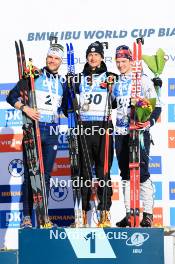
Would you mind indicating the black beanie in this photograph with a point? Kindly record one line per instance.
(95, 47)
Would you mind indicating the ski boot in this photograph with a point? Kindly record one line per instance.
(147, 220)
(104, 219)
(125, 222)
(48, 224)
(80, 219)
(85, 219)
(27, 223)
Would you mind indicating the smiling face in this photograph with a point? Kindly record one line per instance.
(123, 65)
(53, 63)
(94, 59)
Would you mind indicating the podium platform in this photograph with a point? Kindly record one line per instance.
(8, 257)
(91, 246)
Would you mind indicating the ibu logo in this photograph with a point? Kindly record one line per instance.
(137, 239)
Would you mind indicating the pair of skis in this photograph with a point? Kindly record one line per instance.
(73, 138)
(74, 121)
(134, 140)
(31, 138)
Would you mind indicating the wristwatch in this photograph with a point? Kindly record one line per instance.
(21, 107)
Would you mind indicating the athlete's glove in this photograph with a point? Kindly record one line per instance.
(157, 81)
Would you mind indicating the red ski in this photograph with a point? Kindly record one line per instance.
(32, 140)
(134, 142)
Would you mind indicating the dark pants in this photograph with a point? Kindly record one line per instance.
(122, 153)
(49, 150)
(96, 154)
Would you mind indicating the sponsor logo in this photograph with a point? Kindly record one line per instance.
(62, 141)
(171, 113)
(10, 218)
(61, 167)
(4, 90)
(155, 165)
(11, 143)
(62, 217)
(171, 86)
(16, 168)
(137, 239)
(158, 216)
(172, 216)
(58, 193)
(10, 118)
(157, 190)
(172, 190)
(171, 138)
(10, 194)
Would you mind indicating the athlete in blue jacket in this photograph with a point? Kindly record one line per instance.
(49, 94)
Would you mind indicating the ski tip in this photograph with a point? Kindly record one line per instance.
(140, 40)
(70, 45)
(68, 48)
(134, 53)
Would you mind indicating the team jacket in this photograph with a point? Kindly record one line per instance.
(49, 94)
(92, 94)
(122, 95)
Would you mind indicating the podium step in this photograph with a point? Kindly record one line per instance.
(91, 245)
(8, 257)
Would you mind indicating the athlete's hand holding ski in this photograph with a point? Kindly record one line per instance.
(32, 113)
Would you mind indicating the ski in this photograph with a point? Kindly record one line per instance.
(134, 138)
(73, 139)
(106, 169)
(73, 121)
(31, 139)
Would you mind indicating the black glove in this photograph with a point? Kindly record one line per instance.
(157, 81)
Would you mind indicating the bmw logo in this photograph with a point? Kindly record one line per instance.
(58, 193)
(16, 168)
